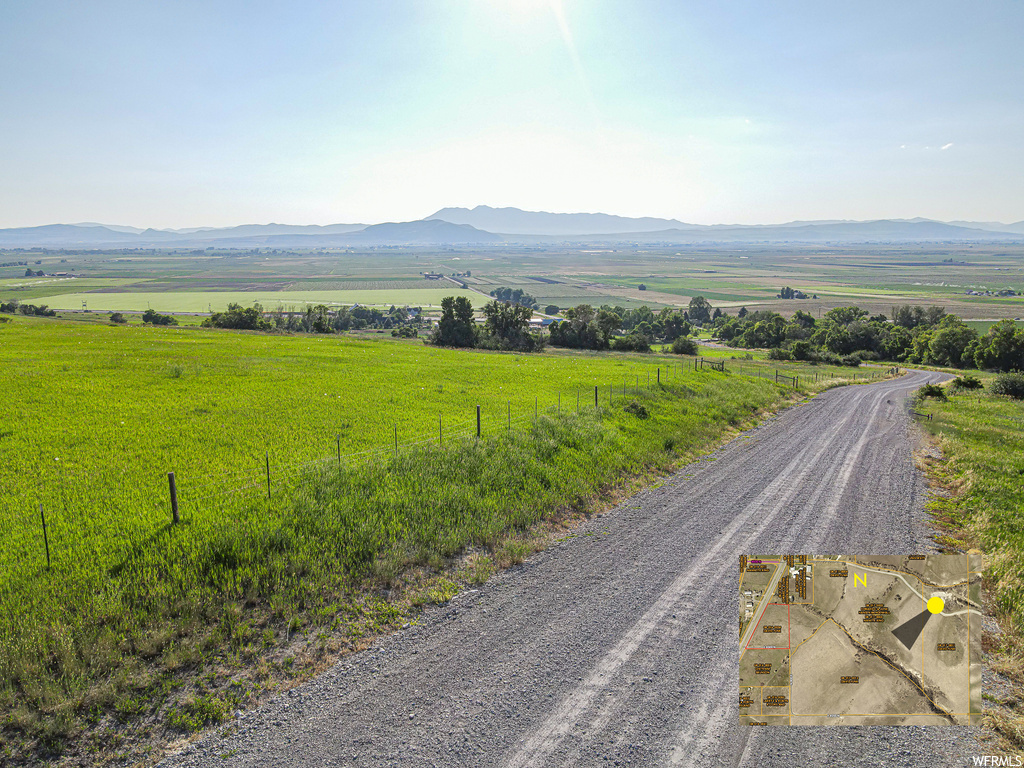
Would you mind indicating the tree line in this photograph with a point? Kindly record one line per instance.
(910, 334)
(315, 319)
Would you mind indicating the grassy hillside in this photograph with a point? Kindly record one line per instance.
(982, 467)
(113, 634)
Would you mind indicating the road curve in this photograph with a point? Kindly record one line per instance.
(618, 646)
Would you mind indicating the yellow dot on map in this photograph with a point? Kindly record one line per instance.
(936, 604)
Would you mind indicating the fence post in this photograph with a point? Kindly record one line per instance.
(510, 417)
(338, 439)
(659, 375)
(776, 375)
(396, 441)
(268, 475)
(595, 396)
(440, 431)
(559, 403)
(174, 498)
(46, 539)
(478, 422)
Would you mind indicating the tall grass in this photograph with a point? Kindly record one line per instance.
(982, 439)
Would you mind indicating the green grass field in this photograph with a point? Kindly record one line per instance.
(203, 301)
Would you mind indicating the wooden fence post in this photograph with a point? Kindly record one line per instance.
(46, 539)
(174, 498)
(338, 438)
(595, 396)
(510, 417)
(396, 441)
(268, 475)
(659, 376)
(478, 422)
(440, 431)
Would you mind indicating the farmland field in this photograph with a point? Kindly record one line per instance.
(217, 301)
(872, 276)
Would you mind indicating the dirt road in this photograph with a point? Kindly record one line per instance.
(618, 645)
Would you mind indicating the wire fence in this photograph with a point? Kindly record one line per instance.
(190, 494)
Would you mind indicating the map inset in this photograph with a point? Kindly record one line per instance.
(860, 640)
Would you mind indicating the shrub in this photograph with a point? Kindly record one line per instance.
(1009, 384)
(405, 332)
(967, 382)
(637, 409)
(117, 317)
(634, 342)
(151, 316)
(779, 353)
(238, 318)
(932, 390)
(198, 712)
(684, 345)
(852, 361)
(802, 350)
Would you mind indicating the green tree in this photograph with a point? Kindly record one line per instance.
(953, 343)
(1002, 348)
(239, 317)
(580, 329)
(508, 326)
(699, 310)
(456, 327)
(845, 315)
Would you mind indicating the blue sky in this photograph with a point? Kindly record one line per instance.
(215, 113)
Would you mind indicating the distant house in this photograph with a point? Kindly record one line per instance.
(543, 322)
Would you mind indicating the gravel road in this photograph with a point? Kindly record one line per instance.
(617, 646)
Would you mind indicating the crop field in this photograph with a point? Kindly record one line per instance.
(874, 277)
(216, 301)
(95, 416)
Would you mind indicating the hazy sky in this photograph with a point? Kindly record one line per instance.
(218, 113)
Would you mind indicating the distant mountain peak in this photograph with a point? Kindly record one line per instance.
(515, 221)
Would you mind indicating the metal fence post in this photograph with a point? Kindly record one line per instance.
(174, 498)
(46, 539)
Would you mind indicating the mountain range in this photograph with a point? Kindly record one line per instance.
(485, 226)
